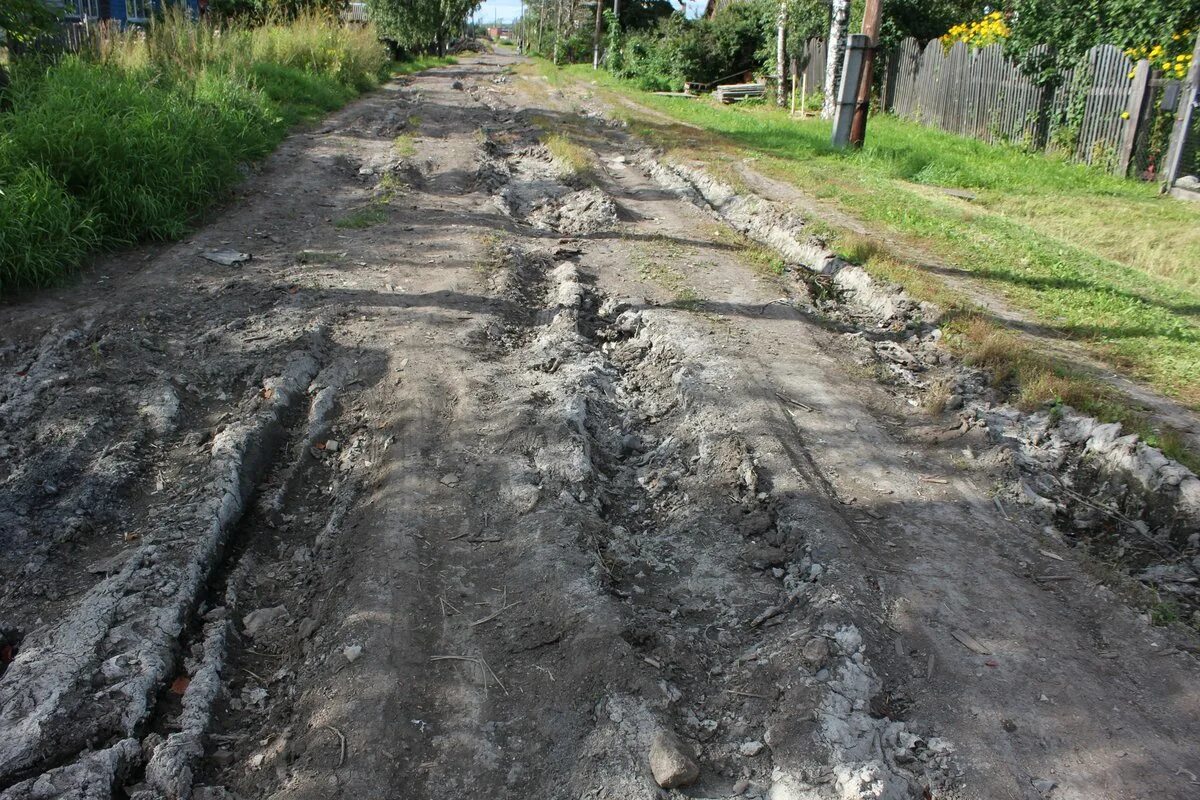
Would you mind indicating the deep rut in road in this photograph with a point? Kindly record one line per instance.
(531, 489)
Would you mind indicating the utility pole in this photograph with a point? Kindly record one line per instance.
(870, 28)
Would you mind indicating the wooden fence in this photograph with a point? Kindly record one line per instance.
(812, 64)
(1095, 113)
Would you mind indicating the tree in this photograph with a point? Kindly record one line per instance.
(926, 20)
(837, 51)
(25, 20)
(22, 21)
(420, 24)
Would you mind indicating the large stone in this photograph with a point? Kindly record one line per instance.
(671, 762)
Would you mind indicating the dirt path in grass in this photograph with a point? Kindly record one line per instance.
(1165, 413)
(482, 479)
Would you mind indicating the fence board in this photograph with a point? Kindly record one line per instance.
(980, 93)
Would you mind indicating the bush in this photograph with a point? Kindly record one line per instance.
(134, 139)
(703, 50)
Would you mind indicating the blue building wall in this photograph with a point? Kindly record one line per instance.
(119, 9)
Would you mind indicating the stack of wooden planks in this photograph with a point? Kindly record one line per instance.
(740, 91)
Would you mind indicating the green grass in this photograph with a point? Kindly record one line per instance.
(135, 138)
(362, 218)
(1092, 257)
(575, 162)
(419, 63)
(404, 145)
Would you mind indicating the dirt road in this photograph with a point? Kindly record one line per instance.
(484, 478)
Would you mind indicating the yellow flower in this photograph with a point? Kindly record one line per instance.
(1124, 115)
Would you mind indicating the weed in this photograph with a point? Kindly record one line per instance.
(404, 145)
(495, 254)
(575, 162)
(374, 214)
(687, 299)
(937, 397)
(388, 188)
(1164, 612)
(857, 249)
(318, 257)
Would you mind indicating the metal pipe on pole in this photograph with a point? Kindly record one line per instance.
(870, 27)
(843, 115)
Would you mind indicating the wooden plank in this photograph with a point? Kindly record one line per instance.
(1185, 118)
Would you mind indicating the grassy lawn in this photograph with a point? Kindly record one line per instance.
(1094, 258)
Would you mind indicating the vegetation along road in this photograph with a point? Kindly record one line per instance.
(482, 446)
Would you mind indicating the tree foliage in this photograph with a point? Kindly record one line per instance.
(420, 25)
(926, 20)
(23, 20)
(264, 10)
(678, 49)
(1071, 27)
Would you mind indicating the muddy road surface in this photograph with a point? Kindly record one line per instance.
(501, 471)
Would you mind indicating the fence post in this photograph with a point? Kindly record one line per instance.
(1184, 119)
(847, 96)
(1135, 113)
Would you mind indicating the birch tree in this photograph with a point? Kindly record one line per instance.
(780, 53)
(837, 52)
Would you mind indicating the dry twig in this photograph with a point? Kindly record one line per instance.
(341, 744)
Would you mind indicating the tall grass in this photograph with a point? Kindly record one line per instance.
(132, 138)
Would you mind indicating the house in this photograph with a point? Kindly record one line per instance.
(133, 11)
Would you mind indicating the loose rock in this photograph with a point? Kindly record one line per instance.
(256, 621)
(751, 749)
(671, 762)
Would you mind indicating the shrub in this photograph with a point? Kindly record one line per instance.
(704, 50)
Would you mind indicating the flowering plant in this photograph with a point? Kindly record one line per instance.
(991, 29)
(1171, 58)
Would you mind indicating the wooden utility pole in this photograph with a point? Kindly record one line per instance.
(871, 19)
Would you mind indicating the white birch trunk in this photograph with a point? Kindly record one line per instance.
(780, 40)
(837, 53)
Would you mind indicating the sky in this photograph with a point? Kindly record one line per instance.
(509, 10)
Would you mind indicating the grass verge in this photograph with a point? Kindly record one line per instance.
(136, 136)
